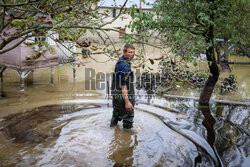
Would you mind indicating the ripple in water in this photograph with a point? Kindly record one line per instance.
(161, 137)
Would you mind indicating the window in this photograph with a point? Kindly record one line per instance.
(114, 12)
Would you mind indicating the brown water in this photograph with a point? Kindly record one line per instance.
(60, 123)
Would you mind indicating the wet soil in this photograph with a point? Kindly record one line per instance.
(37, 125)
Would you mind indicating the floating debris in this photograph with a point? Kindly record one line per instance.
(171, 75)
(228, 84)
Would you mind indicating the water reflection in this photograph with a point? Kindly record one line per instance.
(121, 147)
(224, 127)
(232, 138)
(68, 134)
(209, 123)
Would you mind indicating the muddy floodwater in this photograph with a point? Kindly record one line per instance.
(57, 122)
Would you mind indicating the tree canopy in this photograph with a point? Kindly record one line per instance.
(177, 23)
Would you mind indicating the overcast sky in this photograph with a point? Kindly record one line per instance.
(121, 2)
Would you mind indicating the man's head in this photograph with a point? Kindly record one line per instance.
(129, 51)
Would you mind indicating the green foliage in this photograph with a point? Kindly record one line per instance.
(210, 63)
(33, 57)
(18, 22)
(51, 49)
(178, 83)
(203, 75)
(178, 22)
(195, 63)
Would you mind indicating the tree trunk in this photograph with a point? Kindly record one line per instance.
(208, 123)
(213, 67)
(212, 79)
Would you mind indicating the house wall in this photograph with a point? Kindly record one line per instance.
(120, 22)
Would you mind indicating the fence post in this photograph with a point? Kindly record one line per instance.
(1, 73)
(51, 75)
(22, 76)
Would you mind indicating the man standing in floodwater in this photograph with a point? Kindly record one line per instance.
(122, 89)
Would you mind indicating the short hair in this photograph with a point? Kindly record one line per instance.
(126, 46)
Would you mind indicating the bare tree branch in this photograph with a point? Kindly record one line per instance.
(16, 36)
(14, 46)
(116, 16)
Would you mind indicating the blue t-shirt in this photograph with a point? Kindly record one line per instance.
(122, 69)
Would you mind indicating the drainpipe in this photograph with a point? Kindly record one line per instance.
(140, 28)
(140, 5)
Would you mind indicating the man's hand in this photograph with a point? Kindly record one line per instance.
(129, 106)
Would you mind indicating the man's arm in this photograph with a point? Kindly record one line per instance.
(128, 105)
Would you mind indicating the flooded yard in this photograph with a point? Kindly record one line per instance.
(57, 62)
(60, 123)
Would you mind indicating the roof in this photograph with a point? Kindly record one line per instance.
(119, 3)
